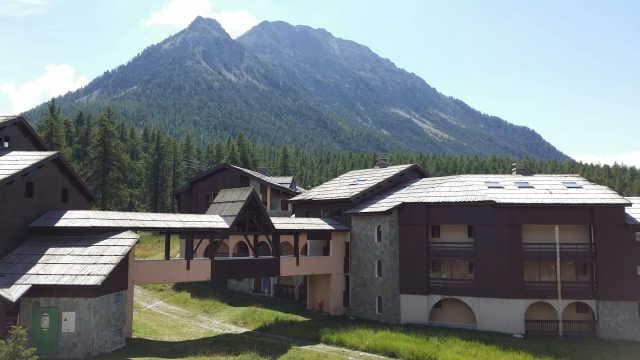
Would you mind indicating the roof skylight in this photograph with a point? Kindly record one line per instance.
(494, 185)
(571, 185)
(523, 185)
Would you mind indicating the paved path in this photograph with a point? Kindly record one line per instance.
(150, 301)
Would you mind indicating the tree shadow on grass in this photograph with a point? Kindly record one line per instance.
(424, 341)
(225, 345)
(218, 291)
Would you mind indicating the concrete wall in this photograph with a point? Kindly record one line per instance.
(619, 320)
(99, 323)
(365, 251)
(324, 293)
(491, 314)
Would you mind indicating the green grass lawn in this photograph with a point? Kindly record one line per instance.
(272, 316)
(151, 246)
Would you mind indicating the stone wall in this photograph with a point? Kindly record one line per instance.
(99, 323)
(365, 251)
(619, 320)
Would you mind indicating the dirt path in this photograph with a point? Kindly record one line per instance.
(150, 301)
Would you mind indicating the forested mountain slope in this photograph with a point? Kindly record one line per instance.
(283, 84)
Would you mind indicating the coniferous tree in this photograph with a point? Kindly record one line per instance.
(108, 163)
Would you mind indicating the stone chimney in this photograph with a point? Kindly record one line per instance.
(520, 169)
(382, 161)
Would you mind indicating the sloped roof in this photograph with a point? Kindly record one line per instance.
(353, 183)
(85, 260)
(633, 212)
(95, 219)
(277, 182)
(14, 162)
(306, 224)
(544, 190)
(229, 203)
(8, 120)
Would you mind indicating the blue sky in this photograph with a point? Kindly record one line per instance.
(570, 69)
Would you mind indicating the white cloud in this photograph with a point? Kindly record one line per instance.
(631, 158)
(179, 13)
(56, 80)
(18, 8)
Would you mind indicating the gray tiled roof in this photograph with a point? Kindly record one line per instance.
(546, 189)
(633, 212)
(307, 224)
(128, 220)
(352, 183)
(229, 202)
(14, 162)
(62, 260)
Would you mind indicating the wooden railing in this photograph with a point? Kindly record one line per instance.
(578, 289)
(285, 291)
(550, 247)
(451, 248)
(541, 327)
(450, 283)
(579, 327)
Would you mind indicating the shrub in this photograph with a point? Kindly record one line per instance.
(16, 347)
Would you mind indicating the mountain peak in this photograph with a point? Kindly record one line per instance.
(207, 26)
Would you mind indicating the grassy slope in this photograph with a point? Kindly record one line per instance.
(152, 246)
(277, 317)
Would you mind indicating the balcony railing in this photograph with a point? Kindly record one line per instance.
(579, 327)
(541, 327)
(450, 286)
(574, 289)
(551, 247)
(450, 248)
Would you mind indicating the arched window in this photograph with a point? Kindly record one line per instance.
(263, 249)
(286, 249)
(241, 250)
(378, 233)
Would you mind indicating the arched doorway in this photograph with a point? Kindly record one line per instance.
(263, 249)
(222, 251)
(452, 312)
(541, 318)
(286, 249)
(241, 250)
(578, 319)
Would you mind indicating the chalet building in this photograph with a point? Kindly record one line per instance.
(199, 192)
(540, 254)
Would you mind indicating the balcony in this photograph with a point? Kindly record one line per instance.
(451, 249)
(450, 286)
(310, 265)
(569, 289)
(547, 251)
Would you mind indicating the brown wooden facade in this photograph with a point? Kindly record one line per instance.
(498, 253)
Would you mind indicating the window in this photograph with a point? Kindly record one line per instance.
(29, 190)
(64, 195)
(493, 185)
(638, 269)
(523, 185)
(470, 267)
(571, 185)
(470, 231)
(435, 231)
(379, 305)
(379, 268)
(582, 308)
(638, 236)
(582, 269)
(436, 266)
(211, 197)
(284, 206)
(324, 213)
(378, 233)
(5, 142)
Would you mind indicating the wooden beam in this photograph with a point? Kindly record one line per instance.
(246, 239)
(167, 245)
(275, 244)
(188, 251)
(296, 247)
(255, 245)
